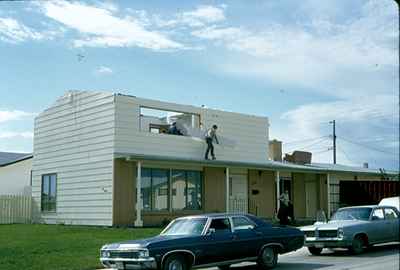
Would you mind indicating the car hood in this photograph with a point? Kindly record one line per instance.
(333, 225)
(143, 243)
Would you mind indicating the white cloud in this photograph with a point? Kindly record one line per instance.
(6, 116)
(101, 27)
(103, 70)
(14, 135)
(202, 15)
(320, 55)
(12, 31)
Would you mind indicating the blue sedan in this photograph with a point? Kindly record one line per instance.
(205, 241)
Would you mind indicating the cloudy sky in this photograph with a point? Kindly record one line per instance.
(301, 63)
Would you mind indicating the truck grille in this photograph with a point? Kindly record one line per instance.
(124, 254)
(309, 233)
(327, 234)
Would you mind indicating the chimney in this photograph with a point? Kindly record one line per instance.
(365, 165)
(275, 150)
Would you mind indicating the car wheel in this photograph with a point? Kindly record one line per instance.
(268, 258)
(175, 262)
(314, 250)
(224, 267)
(357, 245)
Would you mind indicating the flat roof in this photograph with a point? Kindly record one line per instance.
(268, 165)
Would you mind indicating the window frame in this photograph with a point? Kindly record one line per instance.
(142, 129)
(396, 215)
(248, 220)
(186, 173)
(379, 219)
(216, 218)
(170, 190)
(43, 202)
(152, 191)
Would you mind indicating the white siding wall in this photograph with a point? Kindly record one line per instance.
(15, 179)
(74, 139)
(250, 133)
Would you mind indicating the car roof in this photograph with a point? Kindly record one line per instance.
(215, 215)
(367, 206)
(359, 206)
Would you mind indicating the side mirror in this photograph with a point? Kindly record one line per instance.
(210, 231)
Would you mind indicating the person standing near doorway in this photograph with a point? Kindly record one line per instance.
(211, 135)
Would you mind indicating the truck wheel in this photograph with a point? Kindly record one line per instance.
(314, 250)
(357, 245)
(268, 258)
(175, 262)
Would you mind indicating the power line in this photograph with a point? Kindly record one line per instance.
(345, 154)
(366, 146)
(305, 140)
(315, 143)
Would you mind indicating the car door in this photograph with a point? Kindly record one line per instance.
(247, 238)
(379, 230)
(392, 221)
(217, 242)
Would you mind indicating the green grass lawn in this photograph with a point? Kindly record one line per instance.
(45, 247)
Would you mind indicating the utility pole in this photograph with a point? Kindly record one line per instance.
(334, 140)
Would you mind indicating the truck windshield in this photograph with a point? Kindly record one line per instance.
(352, 214)
(186, 226)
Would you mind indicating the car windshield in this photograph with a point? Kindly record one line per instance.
(186, 226)
(352, 214)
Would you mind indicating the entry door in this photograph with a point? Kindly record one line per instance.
(311, 199)
(238, 193)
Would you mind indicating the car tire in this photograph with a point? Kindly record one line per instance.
(224, 267)
(357, 245)
(268, 258)
(175, 262)
(315, 251)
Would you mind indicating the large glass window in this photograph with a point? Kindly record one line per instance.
(155, 189)
(49, 194)
(182, 192)
(186, 190)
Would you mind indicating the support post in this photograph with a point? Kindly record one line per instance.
(277, 180)
(227, 190)
(138, 221)
(328, 196)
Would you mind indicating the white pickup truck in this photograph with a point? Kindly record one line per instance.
(391, 201)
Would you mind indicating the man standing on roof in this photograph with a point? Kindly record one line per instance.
(210, 136)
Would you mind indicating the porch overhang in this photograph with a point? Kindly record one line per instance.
(269, 165)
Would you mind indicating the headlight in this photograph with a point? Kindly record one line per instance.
(105, 254)
(340, 233)
(143, 253)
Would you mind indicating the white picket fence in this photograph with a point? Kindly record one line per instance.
(15, 209)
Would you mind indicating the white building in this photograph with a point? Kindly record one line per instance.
(15, 173)
(108, 159)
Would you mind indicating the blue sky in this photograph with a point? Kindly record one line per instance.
(301, 63)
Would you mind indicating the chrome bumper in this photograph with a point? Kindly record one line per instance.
(122, 263)
(330, 242)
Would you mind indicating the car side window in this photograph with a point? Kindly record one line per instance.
(378, 214)
(390, 214)
(241, 223)
(221, 225)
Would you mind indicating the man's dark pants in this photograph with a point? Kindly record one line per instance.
(210, 147)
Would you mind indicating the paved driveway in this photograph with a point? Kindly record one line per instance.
(385, 257)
